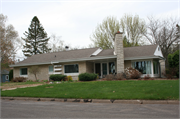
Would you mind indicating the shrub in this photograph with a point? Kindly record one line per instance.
(170, 73)
(146, 77)
(69, 78)
(87, 76)
(10, 75)
(57, 77)
(132, 73)
(19, 79)
(120, 76)
(173, 60)
(109, 77)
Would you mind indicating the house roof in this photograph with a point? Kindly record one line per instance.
(4, 72)
(137, 51)
(62, 55)
(84, 54)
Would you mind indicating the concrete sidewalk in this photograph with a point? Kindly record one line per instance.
(95, 100)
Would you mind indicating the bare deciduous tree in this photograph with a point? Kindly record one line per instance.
(162, 32)
(34, 70)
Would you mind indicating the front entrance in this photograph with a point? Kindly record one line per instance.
(98, 68)
(104, 68)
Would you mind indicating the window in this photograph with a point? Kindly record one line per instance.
(111, 67)
(155, 66)
(73, 68)
(23, 71)
(51, 68)
(7, 77)
(143, 66)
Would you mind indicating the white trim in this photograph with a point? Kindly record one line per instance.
(143, 58)
(71, 74)
(97, 51)
(152, 68)
(57, 73)
(23, 75)
(57, 69)
(6, 77)
(57, 65)
(158, 52)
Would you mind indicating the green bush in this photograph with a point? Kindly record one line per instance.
(57, 77)
(87, 76)
(173, 60)
(10, 74)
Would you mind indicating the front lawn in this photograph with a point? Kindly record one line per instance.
(128, 89)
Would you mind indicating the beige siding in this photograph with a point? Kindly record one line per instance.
(127, 63)
(42, 75)
(44, 70)
(89, 67)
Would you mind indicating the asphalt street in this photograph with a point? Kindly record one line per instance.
(50, 109)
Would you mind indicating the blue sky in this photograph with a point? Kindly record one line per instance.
(75, 20)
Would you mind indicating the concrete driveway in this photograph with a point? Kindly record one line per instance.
(46, 109)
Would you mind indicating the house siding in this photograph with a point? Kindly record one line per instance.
(89, 67)
(42, 75)
(127, 63)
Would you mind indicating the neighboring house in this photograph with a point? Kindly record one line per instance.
(4, 76)
(94, 60)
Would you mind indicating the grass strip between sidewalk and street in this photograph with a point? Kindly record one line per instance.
(128, 89)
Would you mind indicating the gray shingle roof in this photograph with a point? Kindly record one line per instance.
(63, 55)
(138, 51)
(4, 72)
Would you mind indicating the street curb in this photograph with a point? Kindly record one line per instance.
(95, 100)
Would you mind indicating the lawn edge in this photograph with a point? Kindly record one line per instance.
(94, 100)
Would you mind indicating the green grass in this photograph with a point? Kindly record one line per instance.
(129, 89)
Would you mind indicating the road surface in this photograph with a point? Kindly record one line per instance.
(50, 109)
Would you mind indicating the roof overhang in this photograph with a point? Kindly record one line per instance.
(68, 60)
(144, 57)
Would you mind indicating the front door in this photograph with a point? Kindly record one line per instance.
(104, 69)
(98, 69)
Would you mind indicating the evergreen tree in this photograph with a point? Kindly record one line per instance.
(36, 39)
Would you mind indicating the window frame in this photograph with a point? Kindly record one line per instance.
(132, 61)
(70, 73)
(52, 72)
(7, 77)
(23, 75)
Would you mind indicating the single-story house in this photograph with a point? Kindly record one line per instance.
(4, 76)
(94, 60)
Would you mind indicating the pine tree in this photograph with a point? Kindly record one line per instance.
(36, 39)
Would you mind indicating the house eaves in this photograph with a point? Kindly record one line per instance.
(144, 57)
(68, 60)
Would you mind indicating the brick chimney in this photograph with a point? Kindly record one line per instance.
(119, 51)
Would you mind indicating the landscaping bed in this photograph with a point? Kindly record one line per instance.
(127, 89)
